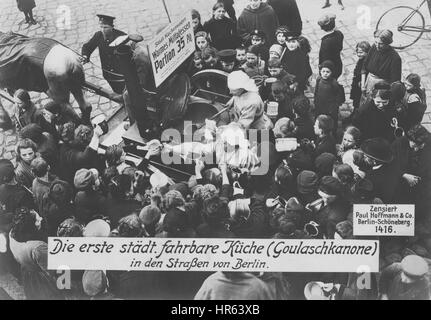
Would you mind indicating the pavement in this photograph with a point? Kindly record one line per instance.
(73, 22)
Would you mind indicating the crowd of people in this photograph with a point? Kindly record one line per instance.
(318, 167)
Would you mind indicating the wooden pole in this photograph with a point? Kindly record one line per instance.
(167, 12)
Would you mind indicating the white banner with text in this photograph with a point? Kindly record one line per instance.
(247, 255)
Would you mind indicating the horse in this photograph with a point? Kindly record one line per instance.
(41, 65)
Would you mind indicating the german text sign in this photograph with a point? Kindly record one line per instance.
(384, 220)
(171, 47)
(248, 255)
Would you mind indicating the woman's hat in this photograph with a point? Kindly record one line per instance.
(83, 179)
(331, 186)
(278, 49)
(314, 291)
(97, 228)
(158, 180)
(378, 149)
(150, 215)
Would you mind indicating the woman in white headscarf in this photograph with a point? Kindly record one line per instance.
(228, 144)
(248, 107)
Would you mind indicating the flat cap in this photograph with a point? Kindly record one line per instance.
(326, 19)
(414, 266)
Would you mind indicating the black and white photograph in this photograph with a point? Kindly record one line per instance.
(195, 151)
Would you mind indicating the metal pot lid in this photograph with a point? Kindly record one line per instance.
(174, 99)
(211, 80)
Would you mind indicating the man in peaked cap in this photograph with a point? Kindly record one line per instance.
(227, 59)
(102, 39)
(405, 280)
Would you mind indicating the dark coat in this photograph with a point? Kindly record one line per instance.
(325, 144)
(230, 10)
(106, 53)
(288, 14)
(54, 214)
(263, 19)
(385, 181)
(418, 164)
(35, 115)
(73, 158)
(384, 64)
(89, 204)
(11, 198)
(390, 283)
(328, 97)
(223, 33)
(25, 5)
(330, 49)
(355, 91)
(257, 225)
(374, 123)
(329, 216)
(296, 62)
(304, 128)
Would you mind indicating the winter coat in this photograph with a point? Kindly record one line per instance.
(355, 91)
(222, 32)
(25, 5)
(262, 18)
(296, 62)
(330, 49)
(384, 64)
(328, 97)
(374, 123)
(288, 14)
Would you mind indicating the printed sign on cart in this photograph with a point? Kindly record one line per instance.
(171, 47)
(384, 220)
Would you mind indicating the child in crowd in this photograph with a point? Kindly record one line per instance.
(362, 49)
(295, 60)
(325, 141)
(221, 29)
(210, 58)
(227, 60)
(202, 40)
(281, 35)
(328, 94)
(254, 66)
(414, 90)
(276, 70)
(258, 38)
(302, 118)
(196, 64)
(241, 57)
(276, 51)
(281, 94)
(196, 21)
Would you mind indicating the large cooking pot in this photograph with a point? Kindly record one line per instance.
(197, 111)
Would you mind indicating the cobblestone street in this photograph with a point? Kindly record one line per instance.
(147, 16)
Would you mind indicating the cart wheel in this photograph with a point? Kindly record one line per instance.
(211, 80)
(406, 23)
